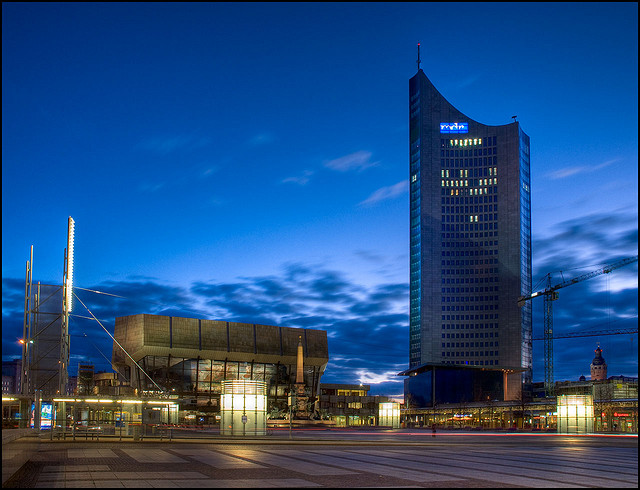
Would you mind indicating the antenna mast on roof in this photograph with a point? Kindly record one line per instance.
(418, 61)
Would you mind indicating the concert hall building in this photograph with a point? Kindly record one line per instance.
(191, 357)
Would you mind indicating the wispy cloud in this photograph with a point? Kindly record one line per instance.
(563, 173)
(385, 193)
(365, 376)
(151, 187)
(169, 144)
(370, 256)
(596, 238)
(188, 174)
(357, 161)
(262, 139)
(208, 172)
(465, 82)
(301, 179)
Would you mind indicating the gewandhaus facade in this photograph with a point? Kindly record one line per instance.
(190, 357)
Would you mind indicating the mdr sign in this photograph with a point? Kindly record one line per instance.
(454, 127)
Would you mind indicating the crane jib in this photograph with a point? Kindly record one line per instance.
(604, 270)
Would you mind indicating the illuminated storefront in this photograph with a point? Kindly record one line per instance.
(537, 415)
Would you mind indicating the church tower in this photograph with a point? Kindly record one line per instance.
(598, 366)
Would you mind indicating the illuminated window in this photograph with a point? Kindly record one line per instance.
(352, 392)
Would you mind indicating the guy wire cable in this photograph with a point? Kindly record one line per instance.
(113, 338)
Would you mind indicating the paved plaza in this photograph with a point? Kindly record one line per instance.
(468, 461)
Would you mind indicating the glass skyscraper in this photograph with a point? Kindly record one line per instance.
(470, 238)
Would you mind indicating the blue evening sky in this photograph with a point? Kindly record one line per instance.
(249, 162)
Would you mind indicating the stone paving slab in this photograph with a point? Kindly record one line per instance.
(91, 453)
(80, 467)
(238, 465)
(145, 455)
(565, 470)
(217, 459)
(290, 463)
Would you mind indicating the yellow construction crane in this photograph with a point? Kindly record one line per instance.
(550, 295)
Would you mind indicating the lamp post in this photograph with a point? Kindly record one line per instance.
(25, 384)
(291, 401)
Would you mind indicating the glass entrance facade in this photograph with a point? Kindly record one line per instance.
(203, 378)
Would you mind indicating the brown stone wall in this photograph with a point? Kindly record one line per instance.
(268, 340)
(218, 340)
(156, 330)
(241, 337)
(214, 335)
(129, 332)
(184, 333)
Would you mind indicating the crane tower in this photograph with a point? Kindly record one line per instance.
(550, 295)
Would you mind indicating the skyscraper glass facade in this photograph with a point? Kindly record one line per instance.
(470, 236)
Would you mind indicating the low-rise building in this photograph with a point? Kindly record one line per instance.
(345, 405)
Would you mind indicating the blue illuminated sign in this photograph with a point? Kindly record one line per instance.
(454, 127)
